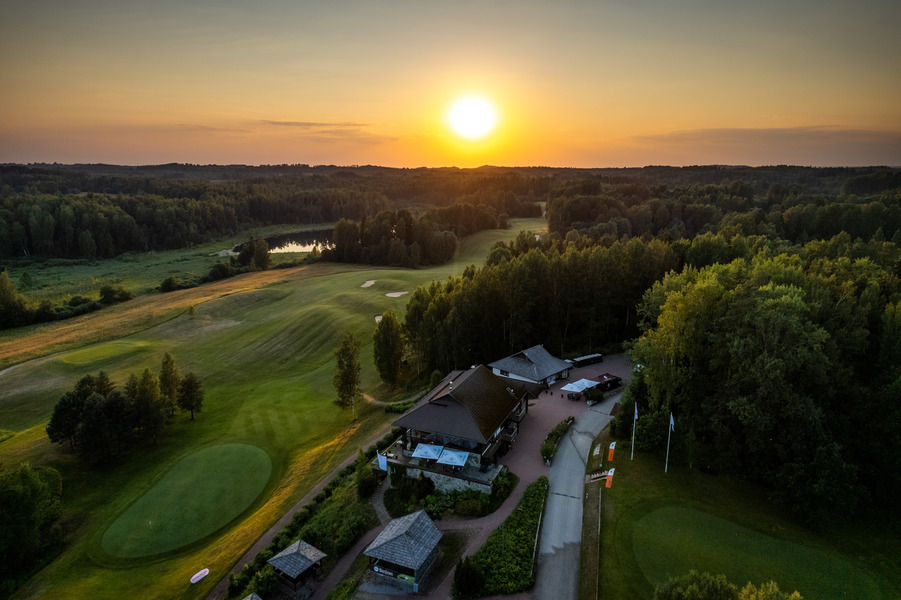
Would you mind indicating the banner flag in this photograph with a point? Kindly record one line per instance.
(610, 454)
(672, 424)
(383, 461)
(636, 412)
(610, 477)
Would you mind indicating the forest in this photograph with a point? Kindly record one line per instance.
(763, 304)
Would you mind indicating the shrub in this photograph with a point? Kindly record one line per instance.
(507, 558)
(397, 502)
(170, 284)
(549, 447)
(220, 271)
(470, 507)
(111, 295)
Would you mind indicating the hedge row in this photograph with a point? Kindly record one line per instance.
(505, 564)
(549, 447)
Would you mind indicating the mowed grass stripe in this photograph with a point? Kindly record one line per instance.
(674, 539)
(200, 495)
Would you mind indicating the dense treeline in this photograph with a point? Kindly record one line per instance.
(86, 211)
(559, 294)
(757, 345)
(60, 213)
(790, 212)
(785, 369)
(101, 421)
(29, 532)
(398, 239)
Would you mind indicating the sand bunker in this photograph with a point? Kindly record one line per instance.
(368, 283)
(395, 294)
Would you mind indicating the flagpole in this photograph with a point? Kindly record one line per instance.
(633, 433)
(669, 434)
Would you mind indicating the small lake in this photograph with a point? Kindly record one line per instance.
(299, 241)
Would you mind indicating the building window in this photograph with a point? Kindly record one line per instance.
(505, 374)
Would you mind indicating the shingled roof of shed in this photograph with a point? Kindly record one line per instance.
(534, 363)
(406, 541)
(296, 558)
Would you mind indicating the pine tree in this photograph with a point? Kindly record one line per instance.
(190, 396)
(347, 379)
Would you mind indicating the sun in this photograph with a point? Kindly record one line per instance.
(472, 117)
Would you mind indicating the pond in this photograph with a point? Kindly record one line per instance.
(299, 241)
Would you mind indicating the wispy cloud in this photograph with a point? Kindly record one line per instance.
(334, 132)
(316, 124)
(795, 135)
(821, 145)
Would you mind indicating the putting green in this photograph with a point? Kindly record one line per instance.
(201, 494)
(673, 540)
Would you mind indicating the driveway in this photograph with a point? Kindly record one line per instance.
(561, 529)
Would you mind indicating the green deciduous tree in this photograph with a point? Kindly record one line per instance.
(696, 586)
(29, 506)
(190, 396)
(388, 347)
(170, 381)
(150, 412)
(347, 377)
(13, 307)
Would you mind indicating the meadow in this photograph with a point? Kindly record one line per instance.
(263, 345)
(655, 525)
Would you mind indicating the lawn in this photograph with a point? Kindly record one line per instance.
(655, 525)
(201, 494)
(263, 345)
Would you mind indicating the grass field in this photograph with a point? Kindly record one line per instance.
(263, 345)
(201, 494)
(656, 525)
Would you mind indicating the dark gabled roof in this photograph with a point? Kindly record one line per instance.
(468, 404)
(296, 558)
(406, 541)
(534, 363)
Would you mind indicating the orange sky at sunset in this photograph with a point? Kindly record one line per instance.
(349, 82)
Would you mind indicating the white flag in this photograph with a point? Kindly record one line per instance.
(672, 424)
(636, 411)
(383, 462)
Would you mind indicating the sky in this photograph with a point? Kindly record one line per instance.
(576, 83)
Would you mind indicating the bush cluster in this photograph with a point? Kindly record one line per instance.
(549, 447)
(408, 495)
(505, 564)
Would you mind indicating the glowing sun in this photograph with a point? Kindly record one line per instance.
(472, 117)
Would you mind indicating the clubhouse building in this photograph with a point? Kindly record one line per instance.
(455, 434)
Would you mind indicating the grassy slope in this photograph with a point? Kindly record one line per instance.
(656, 525)
(263, 345)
